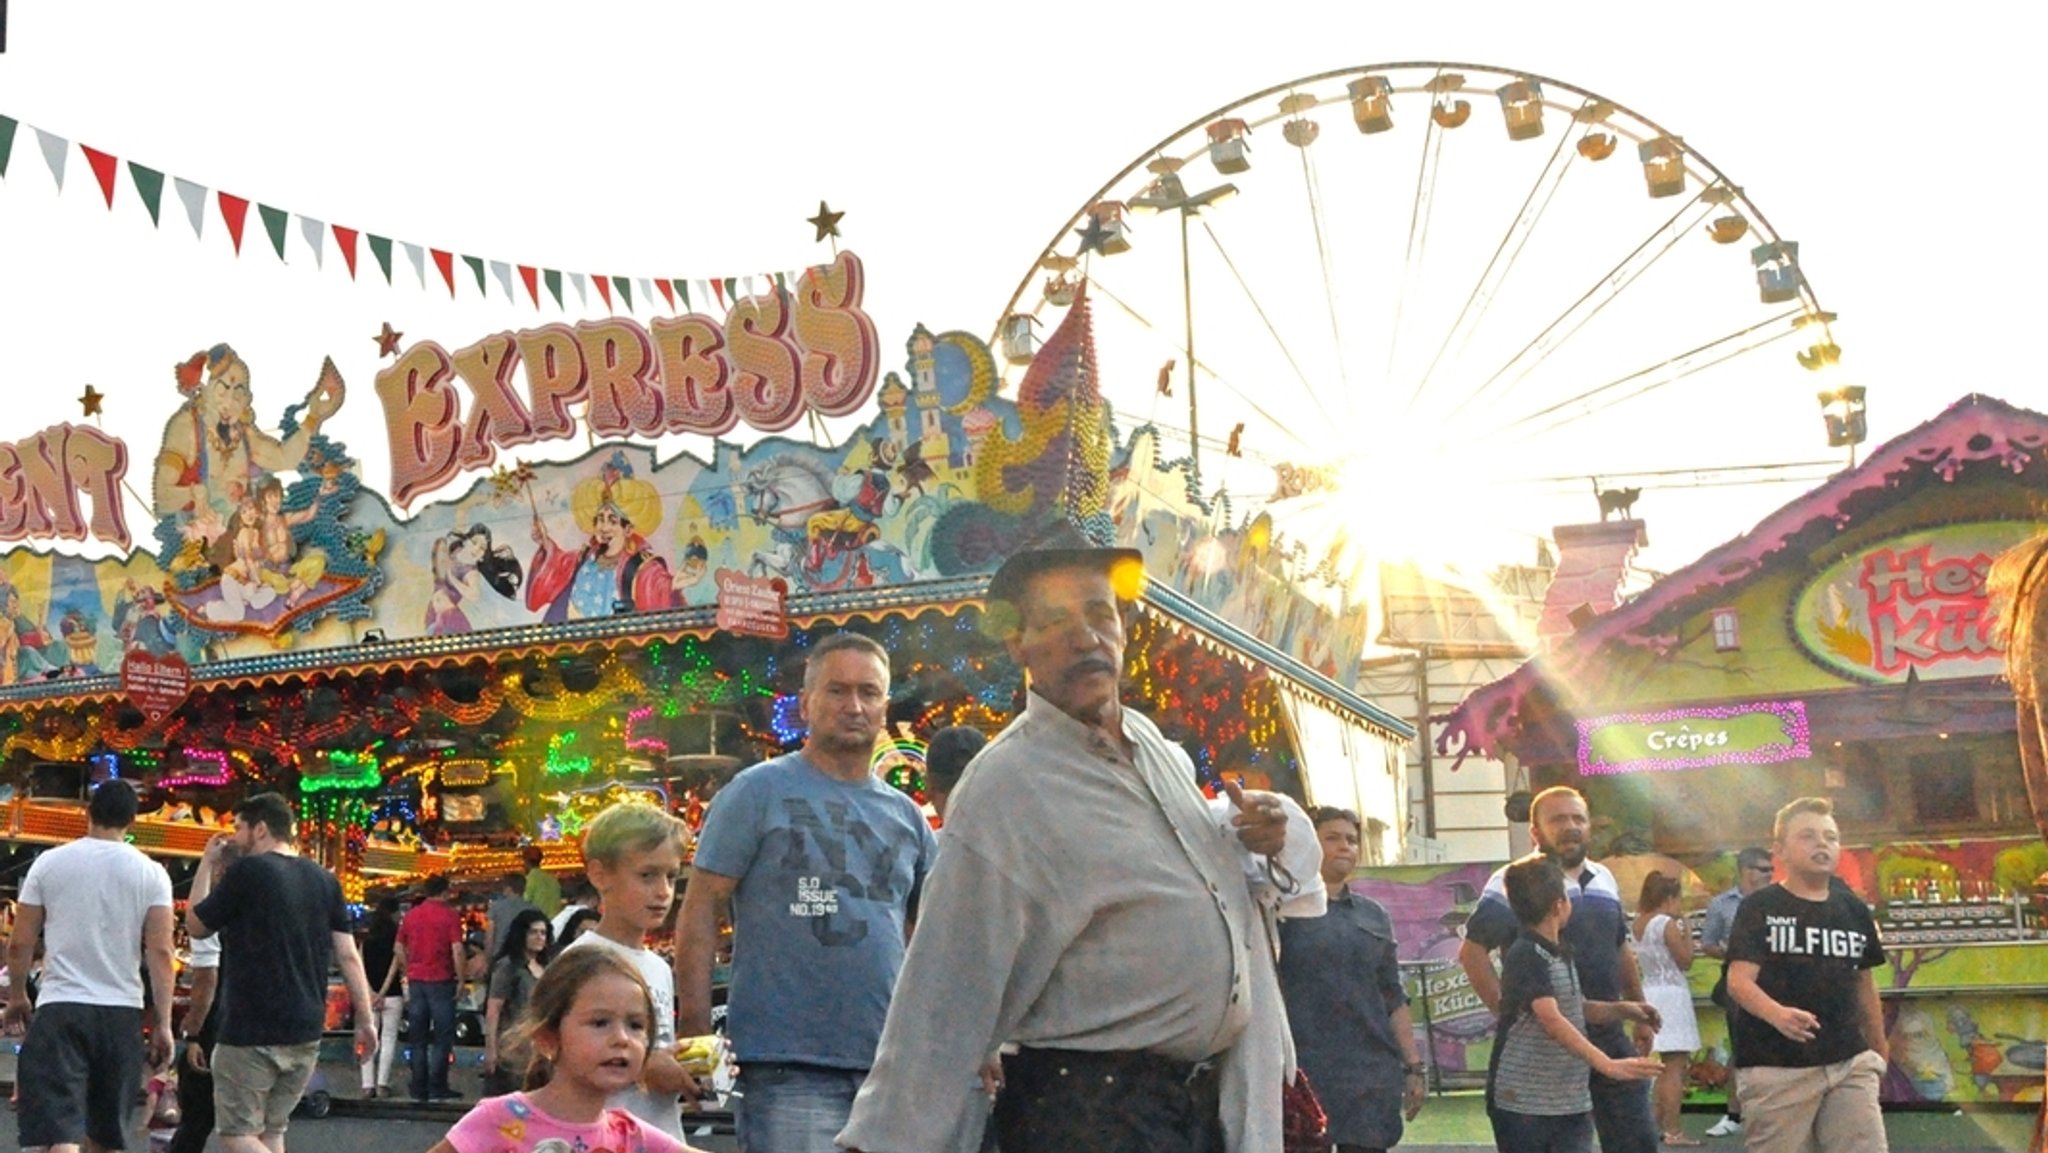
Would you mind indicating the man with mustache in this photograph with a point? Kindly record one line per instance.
(1597, 937)
(1810, 1047)
(1092, 908)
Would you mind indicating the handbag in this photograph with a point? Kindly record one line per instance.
(1304, 1127)
(1719, 993)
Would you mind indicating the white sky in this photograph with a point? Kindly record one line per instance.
(692, 140)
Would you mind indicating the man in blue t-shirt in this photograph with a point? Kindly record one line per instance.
(821, 863)
(1596, 937)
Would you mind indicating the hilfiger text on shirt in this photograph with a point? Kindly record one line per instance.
(1785, 935)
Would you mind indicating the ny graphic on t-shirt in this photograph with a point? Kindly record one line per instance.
(1785, 936)
(839, 855)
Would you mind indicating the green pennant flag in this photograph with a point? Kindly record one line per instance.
(7, 126)
(273, 223)
(554, 279)
(682, 290)
(149, 184)
(625, 288)
(380, 247)
(476, 265)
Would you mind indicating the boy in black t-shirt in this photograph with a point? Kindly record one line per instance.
(1811, 1048)
(1537, 1095)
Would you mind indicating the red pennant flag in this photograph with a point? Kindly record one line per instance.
(718, 290)
(346, 238)
(529, 276)
(667, 293)
(445, 261)
(234, 211)
(103, 167)
(604, 289)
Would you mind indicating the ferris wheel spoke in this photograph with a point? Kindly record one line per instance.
(1488, 286)
(1653, 377)
(1418, 234)
(1589, 303)
(1278, 341)
(1315, 215)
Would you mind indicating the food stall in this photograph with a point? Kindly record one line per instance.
(1844, 647)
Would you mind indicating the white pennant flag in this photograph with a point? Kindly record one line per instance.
(55, 150)
(194, 198)
(503, 272)
(582, 298)
(646, 293)
(418, 256)
(315, 233)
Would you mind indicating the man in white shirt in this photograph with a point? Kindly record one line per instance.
(102, 910)
(1088, 905)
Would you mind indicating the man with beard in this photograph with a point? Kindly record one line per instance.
(1597, 937)
(1093, 909)
(1810, 1048)
(821, 863)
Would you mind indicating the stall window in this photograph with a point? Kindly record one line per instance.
(1727, 636)
(1944, 787)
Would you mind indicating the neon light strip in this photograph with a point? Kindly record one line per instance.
(220, 776)
(654, 745)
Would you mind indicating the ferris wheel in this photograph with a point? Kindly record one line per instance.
(1429, 302)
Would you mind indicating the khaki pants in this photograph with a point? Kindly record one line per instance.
(1826, 1108)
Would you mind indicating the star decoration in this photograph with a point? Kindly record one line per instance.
(91, 400)
(1093, 235)
(826, 221)
(387, 340)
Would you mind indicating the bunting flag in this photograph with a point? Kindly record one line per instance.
(149, 185)
(345, 239)
(55, 151)
(193, 196)
(445, 263)
(234, 211)
(273, 225)
(315, 232)
(103, 169)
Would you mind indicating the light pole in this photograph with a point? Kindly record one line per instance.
(1168, 194)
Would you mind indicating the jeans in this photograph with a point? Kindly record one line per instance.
(784, 1108)
(1529, 1133)
(195, 1103)
(1621, 1109)
(430, 1002)
(376, 1067)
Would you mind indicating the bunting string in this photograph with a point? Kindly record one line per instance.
(490, 278)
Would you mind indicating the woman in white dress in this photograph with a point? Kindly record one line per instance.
(1664, 953)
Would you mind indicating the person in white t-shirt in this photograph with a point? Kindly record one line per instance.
(102, 909)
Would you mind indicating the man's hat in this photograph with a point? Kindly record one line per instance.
(1063, 546)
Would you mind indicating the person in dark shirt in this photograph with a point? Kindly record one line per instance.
(1596, 937)
(282, 921)
(1341, 980)
(1811, 1049)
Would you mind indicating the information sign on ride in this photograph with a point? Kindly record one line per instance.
(752, 606)
(1762, 733)
(155, 684)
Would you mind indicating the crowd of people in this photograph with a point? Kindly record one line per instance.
(1094, 956)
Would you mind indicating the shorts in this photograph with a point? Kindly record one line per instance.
(79, 1073)
(256, 1087)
